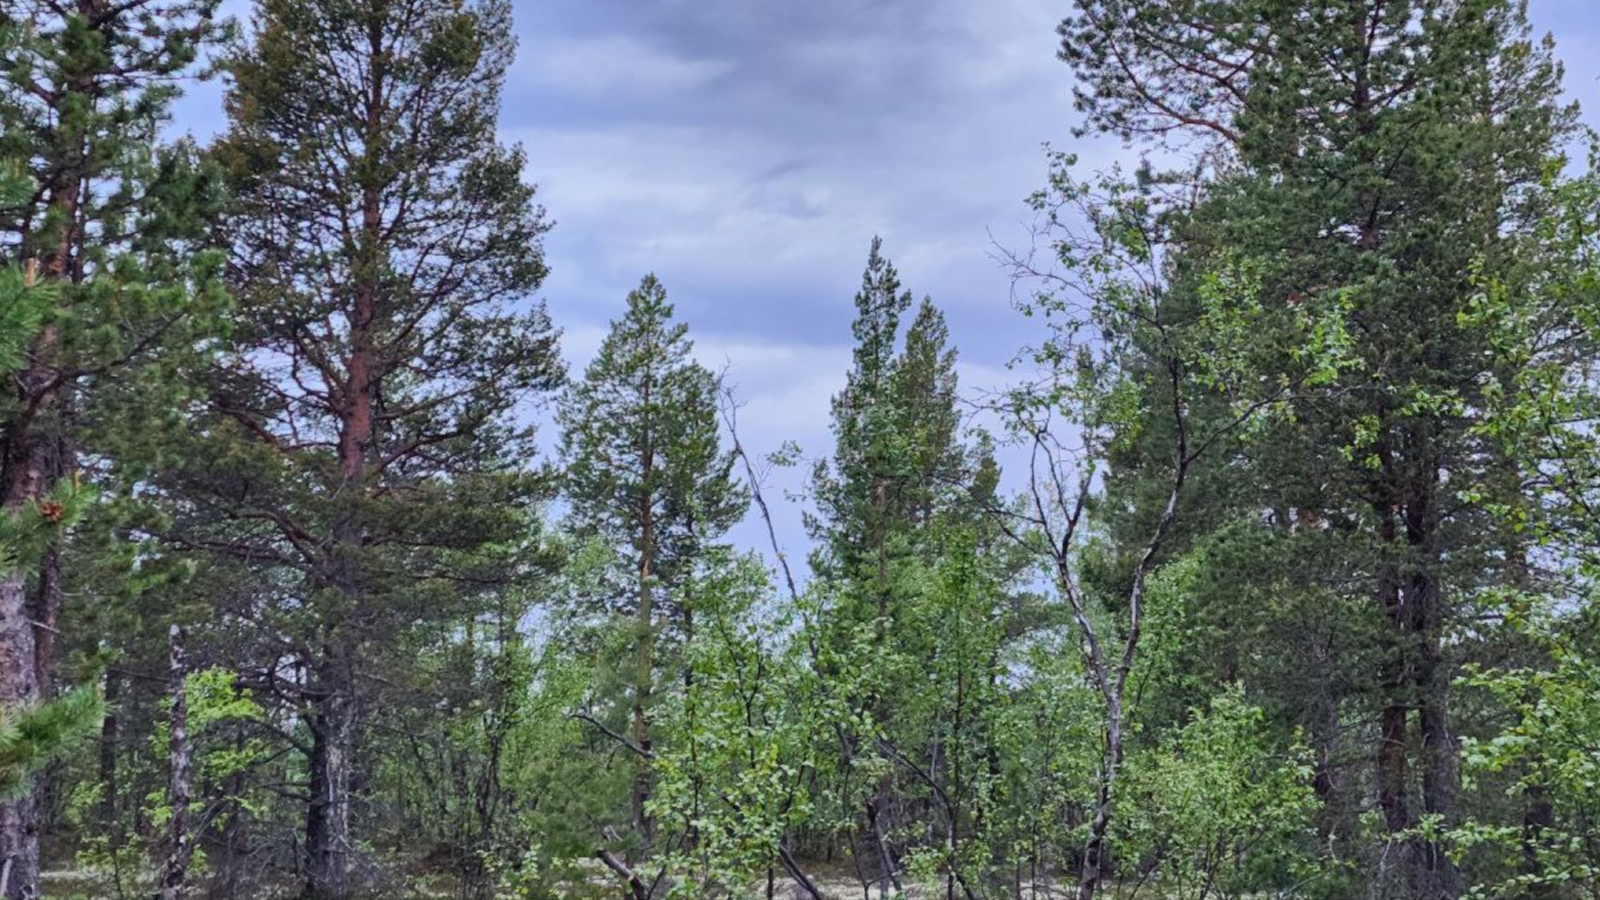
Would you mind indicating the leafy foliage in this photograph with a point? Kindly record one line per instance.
(1270, 574)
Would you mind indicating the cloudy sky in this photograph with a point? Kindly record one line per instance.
(746, 151)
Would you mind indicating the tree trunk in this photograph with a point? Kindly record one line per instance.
(1416, 677)
(1438, 754)
(1393, 797)
(180, 846)
(328, 836)
(19, 689)
(644, 674)
(1441, 773)
(880, 836)
(1392, 755)
(1096, 851)
(109, 728)
(644, 650)
(19, 820)
(226, 882)
(44, 607)
(1340, 796)
(1537, 820)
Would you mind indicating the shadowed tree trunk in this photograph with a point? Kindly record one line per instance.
(329, 842)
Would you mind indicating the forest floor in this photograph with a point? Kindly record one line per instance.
(843, 884)
(850, 889)
(79, 884)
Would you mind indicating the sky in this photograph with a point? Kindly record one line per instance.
(746, 152)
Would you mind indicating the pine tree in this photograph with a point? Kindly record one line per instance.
(362, 457)
(32, 735)
(900, 470)
(114, 224)
(851, 493)
(923, 386)
(646, 471)
(1373, 159)
(899, 460)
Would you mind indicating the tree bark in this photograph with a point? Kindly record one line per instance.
(19, 678)
(644, 673)
(1441, 776)
(1438, 753)
(644, 649)
(1416, 676)
(637, 889)
(1394, 721)
(109, 737)
(45, 605)
(1097, 849)
(328, 836)
(180, 846)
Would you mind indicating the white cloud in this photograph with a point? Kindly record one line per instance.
(611, 63)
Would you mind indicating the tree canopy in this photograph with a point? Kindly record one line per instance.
(1269, 571)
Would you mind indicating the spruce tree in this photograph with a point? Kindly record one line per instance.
(362, 459)
(646, 471)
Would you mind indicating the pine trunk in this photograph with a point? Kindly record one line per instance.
(644, 649)
(644, 675)
(329, 841)
(19, 685)
(328, 836)
(25, 475)
(1416, 678)
(19, 688)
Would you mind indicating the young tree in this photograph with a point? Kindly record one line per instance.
(647, 473)
(1533, 832)
(740, 736)
(1223, 807)
(363, 443)
(1126, 359)
(900, 470)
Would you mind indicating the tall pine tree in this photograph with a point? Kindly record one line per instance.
(364, 440)
(32, 736)
(647, 472)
